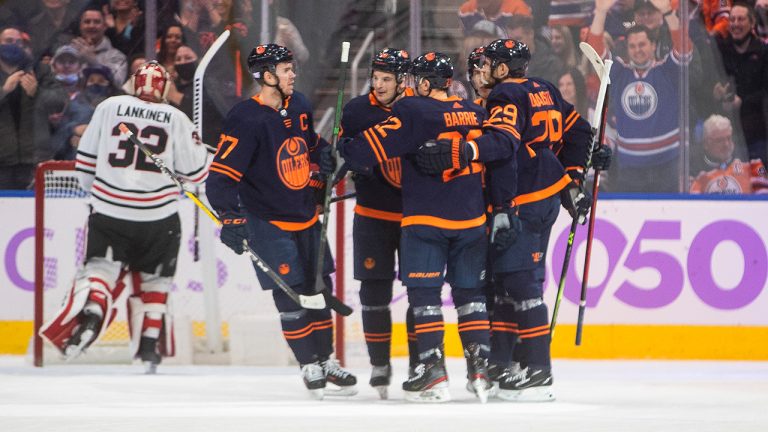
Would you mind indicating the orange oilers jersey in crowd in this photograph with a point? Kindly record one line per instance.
(263, 162)
(736, 177)
(470, 14)
(716, 13)
(378, 194)
(546, 135)
(453, 200)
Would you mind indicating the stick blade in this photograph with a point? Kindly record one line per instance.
(594, 58)
(316, 301)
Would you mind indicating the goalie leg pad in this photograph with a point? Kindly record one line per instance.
(94, 288)
(149, 312)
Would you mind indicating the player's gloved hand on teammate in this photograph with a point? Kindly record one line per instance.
(327, 161)
(435, 156)
(601, 158)
(234, 231)
(342, 148)
(576, 200)
(506, 228)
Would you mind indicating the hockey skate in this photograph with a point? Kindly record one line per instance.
(428, 384)
(149, 355)
(478, 381)
(380, 380)
(343, 382)
(314, 379)
(531, 384)
(83, 336)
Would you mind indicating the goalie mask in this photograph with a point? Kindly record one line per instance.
(514, 54)
(266, 57)
(150, 82)
(434, 67)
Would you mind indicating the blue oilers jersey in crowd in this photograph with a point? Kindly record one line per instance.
(453, 200)
(645, 108)
(547, 136)
(263, 162)
(378, 194)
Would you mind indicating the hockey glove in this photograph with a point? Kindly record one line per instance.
(506, 228)
(435, 156)
(317, 183)
(576, 200)
(327, 161)
(601, 158)
(342, 148)
(234, 231)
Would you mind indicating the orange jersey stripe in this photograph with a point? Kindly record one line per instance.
(543, 193)
(533, 335)
(372, 143)
(227, 168)
(476, 322)
(534, 329)
(295, 226)
(443, 223)
(226, 173)
(378, 214)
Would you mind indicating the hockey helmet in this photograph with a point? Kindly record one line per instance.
(265, 57)
(391, 60)
(435, 67)
(150, 82)
(514, 54)
(475, 61)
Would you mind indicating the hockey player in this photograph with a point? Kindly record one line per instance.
(259, 184)
(135, 224)
(530, 117)
(379, 210)
(475, 75)
(437, 229)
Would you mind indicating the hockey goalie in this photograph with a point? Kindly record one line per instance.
(134, 228)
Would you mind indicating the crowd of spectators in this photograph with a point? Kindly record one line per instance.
(656, 119)
(60, 58)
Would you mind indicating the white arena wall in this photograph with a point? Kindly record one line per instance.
(675, 279)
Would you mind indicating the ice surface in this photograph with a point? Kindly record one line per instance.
(593, 396)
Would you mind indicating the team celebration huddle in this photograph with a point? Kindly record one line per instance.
(447, 191)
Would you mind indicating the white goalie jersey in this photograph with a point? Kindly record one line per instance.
(123, 181)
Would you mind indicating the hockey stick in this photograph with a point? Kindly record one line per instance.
(343, 197)
(563, 273)
(603, 70)
(319, 284)
(315, 301)
(197, 111)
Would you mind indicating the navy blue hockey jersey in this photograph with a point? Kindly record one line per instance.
(263, 162)
(453, 200)
(378, 194)
(547, 136)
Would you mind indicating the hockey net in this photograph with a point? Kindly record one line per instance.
(61, 216)
(248, 329)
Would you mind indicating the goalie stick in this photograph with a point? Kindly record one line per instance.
(315, 301)
(210, 290)
(319, 284)
(197, 113)
(602, 69)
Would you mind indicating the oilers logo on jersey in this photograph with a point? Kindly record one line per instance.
(639, 100)
(726, 185)
(293, 163)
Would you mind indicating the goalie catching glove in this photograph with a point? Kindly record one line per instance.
(436, 156)
(506, 228)
(234, 230)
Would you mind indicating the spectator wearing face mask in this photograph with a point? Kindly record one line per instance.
(181, 95)
(18, 93)
(96, 86)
